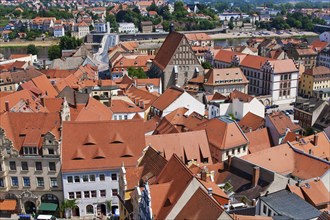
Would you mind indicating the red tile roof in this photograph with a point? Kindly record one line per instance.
(285, 160)
(187, 145)
(167, 98)
(124, 142)
(93, 111)
(121, 106)
(168, 49)
(254, 62)
(281, 122)
(251, 121)
(223, 135)
(226, 55)
(240, 96)
(259, 140)
(200, 206)
(27, 128)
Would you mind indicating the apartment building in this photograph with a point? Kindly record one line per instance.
(324, 57)
(93, 153)
(317, 78)
(30, 169)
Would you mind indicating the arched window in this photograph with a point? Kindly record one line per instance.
(89, 209)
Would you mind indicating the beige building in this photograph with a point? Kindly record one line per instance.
(146, 26)
(317, 78)
(224, 81)
(80, 30)
(30, 170)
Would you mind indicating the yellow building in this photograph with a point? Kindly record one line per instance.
(314, 79)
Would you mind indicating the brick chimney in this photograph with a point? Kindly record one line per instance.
(7, 106)
(203, 174)
(256, 175)
(74, 98)
(229, 161)
(316, 139)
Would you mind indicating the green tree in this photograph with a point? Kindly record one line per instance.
(32, 49)
(113, 23)
(206, 65)
(152, 7)
(54, 52)
(231, 25)
(67, 43)
(136, 73)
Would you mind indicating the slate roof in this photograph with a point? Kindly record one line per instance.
(289, 204)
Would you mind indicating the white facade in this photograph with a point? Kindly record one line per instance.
(29, 58)
(228, 16)
(325, 36)
(126, 115)
(59, 31)
(127, 28)
(237, 108)
(186, 101)
(226, 89)
(92, 191)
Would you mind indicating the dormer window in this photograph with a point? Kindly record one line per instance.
(30, 151)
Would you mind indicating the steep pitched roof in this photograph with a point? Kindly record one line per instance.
(167, 98)
(254, 62)
(223, 135)
(225, 76)
(115, 152)
(207, 207)
(259, 140)
(281, 122)
(226, 55)
(26, 128)
(251, 121)
(168, 49)
(176, 173)
(316, 192)
(318, 70)
(94, 111)
(187, 145)
(240, 96)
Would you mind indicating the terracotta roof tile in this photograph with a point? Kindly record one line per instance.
(188, 145)
(259, 140)
(285, 160)
(121, 106)
(207, 207)
(29, 126)
(254, 62)
(167, 98)
(240, 96)
(319, 70)
(223, 135)
(198, 37)
(251, 121)
(281, 122)
(225, 76)
(316, 193)
(94, 111)
(226, 55)
(167, 49)
(115, 150)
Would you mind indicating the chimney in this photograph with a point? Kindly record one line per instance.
(254, 202)
(74, 98)
(203, 174)
(28, 103)
(7, 106)
(297, 138)
(42, 100)
(256, 175)
(209, 191)
(229, 161)
(316, 139)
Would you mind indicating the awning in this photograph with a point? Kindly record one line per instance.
(8, 205)
(47, 206)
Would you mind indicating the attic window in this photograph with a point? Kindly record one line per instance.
(77, 158)
(89, 140)
(116, 139)
(98, 157)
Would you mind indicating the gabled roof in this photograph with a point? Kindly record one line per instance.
(315, 192)
(227, 55)
(57, 73)
(43, 84)
(167, 98)
(225, 76)
(168, 49)
(281, 122)
(136, 94)
(251, 121)
(29, 128)
(187, 145)
(121, 106)
(93, 111)
(223, 135)
(283, 66)
(259, 140)
(285, 160)
(198, 36)
(176, 173)
(318, 70)
(240, 96)
(104, 134)
(200, 206)
(254, 62)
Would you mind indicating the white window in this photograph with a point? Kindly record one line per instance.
(53, 182)
(70, 179)
(40, 182)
